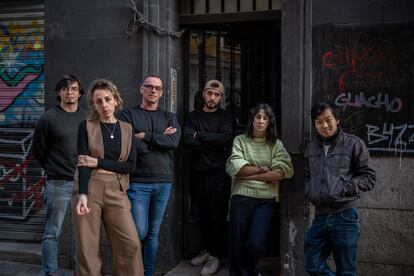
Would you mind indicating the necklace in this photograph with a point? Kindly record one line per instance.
(113, 130)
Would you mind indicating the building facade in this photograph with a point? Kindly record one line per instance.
(291, 54)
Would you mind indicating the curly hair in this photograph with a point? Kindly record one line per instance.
(104, 85)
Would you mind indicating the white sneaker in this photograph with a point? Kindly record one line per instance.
(211, 267)
(200, 258)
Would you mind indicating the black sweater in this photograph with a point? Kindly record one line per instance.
(54, 142)
(112, 149)
(213, 138)
(155, 152)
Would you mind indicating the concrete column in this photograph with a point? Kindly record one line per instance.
(162, 55)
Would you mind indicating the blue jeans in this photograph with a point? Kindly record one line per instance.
(57, 197)
(250, 222)
(148, 203)
(337, 233)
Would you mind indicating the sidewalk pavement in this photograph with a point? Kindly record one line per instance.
(183, 268)
(23, 259)
(23, 269)
(7, 268)
(268, 267)
(20, 259)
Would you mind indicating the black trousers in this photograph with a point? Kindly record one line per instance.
(210, 191)
(250, 222)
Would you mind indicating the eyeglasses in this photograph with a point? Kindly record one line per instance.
(69, 88)
(152, 87)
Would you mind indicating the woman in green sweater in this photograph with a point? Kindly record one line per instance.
(257, 163)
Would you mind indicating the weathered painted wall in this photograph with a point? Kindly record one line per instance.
(21, 104)
(387, 216)
(89, 39)
(387, 213)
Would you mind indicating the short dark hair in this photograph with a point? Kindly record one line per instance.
(152, 76)
(65, 81)
(271, 131)
(320, 107)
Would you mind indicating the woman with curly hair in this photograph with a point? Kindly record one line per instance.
(106, 156)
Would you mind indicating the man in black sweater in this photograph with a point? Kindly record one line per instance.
(208, 132)
(54, 146)
(157, 134)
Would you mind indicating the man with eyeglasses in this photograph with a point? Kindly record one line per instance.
(208, 132)
(157, 134)
(54, 147)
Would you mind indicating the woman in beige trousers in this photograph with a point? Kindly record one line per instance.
(106, 156)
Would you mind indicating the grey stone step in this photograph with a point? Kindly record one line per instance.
(28, 253)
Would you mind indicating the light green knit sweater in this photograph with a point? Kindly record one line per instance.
(255, 152)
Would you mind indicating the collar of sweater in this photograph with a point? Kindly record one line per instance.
(259, 139)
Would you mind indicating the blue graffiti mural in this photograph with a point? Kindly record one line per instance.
(21, 73)
(21, 104)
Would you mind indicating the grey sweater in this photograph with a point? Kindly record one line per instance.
(54, 142)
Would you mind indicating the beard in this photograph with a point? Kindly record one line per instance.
(211, 105)
(70, 101)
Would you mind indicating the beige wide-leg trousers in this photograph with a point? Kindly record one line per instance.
(109, 204)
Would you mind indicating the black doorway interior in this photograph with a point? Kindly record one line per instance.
(245, 56)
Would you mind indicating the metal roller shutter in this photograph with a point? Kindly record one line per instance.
(21, 104)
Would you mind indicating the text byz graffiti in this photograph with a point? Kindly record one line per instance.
(392, 138)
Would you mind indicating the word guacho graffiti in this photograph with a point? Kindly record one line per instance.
(21, 103)
(376, 101)
(368, 73)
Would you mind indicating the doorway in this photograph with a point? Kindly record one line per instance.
(245, 57)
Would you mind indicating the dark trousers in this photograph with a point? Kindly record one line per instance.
(337, 233)
(250, 221)
(210, 191)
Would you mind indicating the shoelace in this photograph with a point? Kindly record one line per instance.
(210, 262)
(201, 254)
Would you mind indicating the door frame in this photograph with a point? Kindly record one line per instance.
(215, 23)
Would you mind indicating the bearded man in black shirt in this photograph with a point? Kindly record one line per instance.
(208, 133)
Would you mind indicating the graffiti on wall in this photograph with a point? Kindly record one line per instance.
(21, 104)
(368, 73)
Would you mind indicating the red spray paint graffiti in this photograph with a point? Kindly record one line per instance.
(363, 62)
